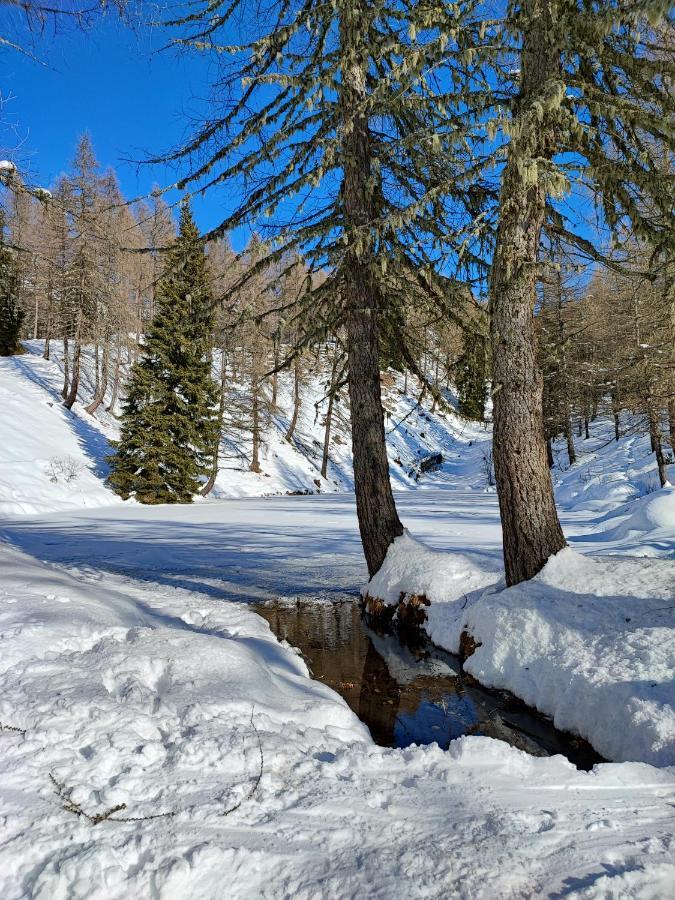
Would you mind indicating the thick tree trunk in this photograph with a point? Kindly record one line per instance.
(671, 424)
(379, 523)
(531, 529)
(75, 377)
(296, 402)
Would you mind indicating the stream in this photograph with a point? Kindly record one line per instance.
(409, 693)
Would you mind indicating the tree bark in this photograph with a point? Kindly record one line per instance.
(296, 401)
(379, 523)
(329, 416)
(102, 386)
(531, 529)
(657, 446)
(569, 437)
(75, 377)
(66, 372)
(208, 487)
(671, 423)
(255, 417)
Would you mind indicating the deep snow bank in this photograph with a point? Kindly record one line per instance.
(142, 694)
(589, 641)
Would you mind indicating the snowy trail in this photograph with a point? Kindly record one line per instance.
(141, 693)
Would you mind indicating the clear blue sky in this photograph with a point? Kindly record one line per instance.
(111, 81)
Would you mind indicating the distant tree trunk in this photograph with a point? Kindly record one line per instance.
(208, 487)
(77, 352)
(586, 431)
(569, 437)
(255, 420)
(296, 401)
(530, 525)
(66, 373)
(116, 375)
(48, 320)
(275, 374)
(657, 446)
(615, 414)
(379, 523)
(329, 416)
(549, 452)
(102, 385)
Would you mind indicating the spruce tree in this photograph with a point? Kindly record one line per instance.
(170, 415)
(11, 312)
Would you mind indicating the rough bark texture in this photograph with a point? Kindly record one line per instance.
(531, 530)
(379, 523)
(671, 423)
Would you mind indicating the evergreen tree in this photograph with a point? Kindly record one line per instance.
(11, 312)
(471, 376)
(170, 415)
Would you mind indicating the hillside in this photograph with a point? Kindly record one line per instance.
(55, 458)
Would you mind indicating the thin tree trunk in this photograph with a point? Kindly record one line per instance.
(530, 525)
(329, 416)
(116, 375)
(657, 446)
(296, 401)
(77, 351)
(102, 385)
(569, 437)
(379, 523)
(615, 414)
(275, 374)
(66, 373)
(48, 321)
(255, 417)
(208, 487)
(549, 453)
(586, 431)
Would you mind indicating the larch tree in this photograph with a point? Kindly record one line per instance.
(11, 311)
(589, 94)
(325, 122)
(170, 414)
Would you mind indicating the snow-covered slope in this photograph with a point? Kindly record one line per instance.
(52, 458)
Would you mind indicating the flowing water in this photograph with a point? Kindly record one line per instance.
(407, 693)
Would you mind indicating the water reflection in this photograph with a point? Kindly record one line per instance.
(409, 694)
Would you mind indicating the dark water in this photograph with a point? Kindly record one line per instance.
(409, 694)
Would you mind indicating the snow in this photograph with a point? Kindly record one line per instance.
(141, 676)
(141, 693)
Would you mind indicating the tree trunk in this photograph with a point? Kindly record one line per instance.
(102, 385)
(379, 523)
(116, 375)
(66, 373)
(48, 322)
(296, 401)
(615, 413)
(657, 446)
(329, 416)
(255, 417)
(671, 424)
(586, 431)
(75, 378)
(549, 453)
(569, 437)
(531, 529)
(208, 487)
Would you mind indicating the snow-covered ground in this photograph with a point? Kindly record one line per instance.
(133, 680)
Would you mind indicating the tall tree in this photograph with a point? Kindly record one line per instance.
(169, 420)
(588, 93)
(11, 312)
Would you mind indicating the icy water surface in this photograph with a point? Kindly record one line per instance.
(409, 694)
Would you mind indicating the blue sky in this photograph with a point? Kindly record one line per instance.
(111, 81)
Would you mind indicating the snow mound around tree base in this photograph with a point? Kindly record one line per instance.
(590, 641)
